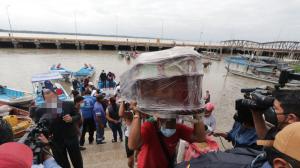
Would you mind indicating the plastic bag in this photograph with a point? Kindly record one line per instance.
(167, 82)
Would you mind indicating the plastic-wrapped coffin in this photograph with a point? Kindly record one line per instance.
(167, 82)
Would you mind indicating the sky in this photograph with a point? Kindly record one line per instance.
(194, 20)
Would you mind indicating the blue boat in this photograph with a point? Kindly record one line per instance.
(84, 72)
(48, 80)
(108, 84)
(14, 97)
(61, 70)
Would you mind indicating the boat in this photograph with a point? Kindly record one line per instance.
(63, 71)
(211, 55)
(122, 53)
(260, 68)
(17, 118)
(134, 54)
(84, 72)
(50, 81)
(15, 97)
(101, 84)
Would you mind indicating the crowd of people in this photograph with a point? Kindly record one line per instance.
(152, 142)
(106, 81)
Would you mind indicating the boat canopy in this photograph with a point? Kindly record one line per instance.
(84, 72)
(46, 76)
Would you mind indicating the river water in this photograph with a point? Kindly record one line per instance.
(18, 65)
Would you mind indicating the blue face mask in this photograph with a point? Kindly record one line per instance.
(167, 132)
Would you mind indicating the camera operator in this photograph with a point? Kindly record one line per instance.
(64, 119)
(287, 110)
(19, 155)
(243, 133)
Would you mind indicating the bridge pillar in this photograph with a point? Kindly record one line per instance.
(77, 45)
(37, 44)
(160, 47)
(131, 48)
(117, 47)
(100, 46)
(221, 51)
(58, 46)
(231, 51)
(82, 46)
(146, 47)
(15, 43)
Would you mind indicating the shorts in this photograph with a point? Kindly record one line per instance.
(129, 152)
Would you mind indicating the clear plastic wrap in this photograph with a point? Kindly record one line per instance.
(167, 82)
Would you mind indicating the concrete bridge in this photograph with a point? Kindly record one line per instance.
(58, 41)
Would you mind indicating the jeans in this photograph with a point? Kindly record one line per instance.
(99, 134)
(116, 128)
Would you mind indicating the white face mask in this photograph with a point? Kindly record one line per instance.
(167, 132)
(81, 105)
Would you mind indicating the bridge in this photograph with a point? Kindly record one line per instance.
(81, 42)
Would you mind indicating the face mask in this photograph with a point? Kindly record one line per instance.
(167, 132)
(81, 105)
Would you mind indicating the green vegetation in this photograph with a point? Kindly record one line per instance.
(296, 68)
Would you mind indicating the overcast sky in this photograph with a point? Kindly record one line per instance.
(197, 20)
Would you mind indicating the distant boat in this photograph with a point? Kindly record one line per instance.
(48, 80)
(84, 72)
(14, 97)
(211, 55)
(61, 70)
(260, 68)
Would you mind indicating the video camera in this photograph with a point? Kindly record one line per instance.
(31, 140)
(261, 99)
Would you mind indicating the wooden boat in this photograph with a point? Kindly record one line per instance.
(14, 97)
(84, 72)
(61, 70)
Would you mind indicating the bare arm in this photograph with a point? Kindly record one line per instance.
(260, 124)
(199, 130)
(109, 118)
(122, 109)
(135, 140)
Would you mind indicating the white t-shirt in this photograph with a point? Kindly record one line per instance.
(210, 121)
(127, 130)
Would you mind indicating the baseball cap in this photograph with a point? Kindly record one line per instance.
(209, 106)
(16, 155)
(286, 141)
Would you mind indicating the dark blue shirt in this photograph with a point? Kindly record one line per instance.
(241, 136)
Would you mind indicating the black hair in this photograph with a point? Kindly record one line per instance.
(273, 153)
(99, 98)
(75, 93)
(78, 99)
(87, 92)
(243, 114)
(289, 100)
(113, 103)
(6, 133)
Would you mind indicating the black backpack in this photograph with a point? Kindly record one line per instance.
(234, 158)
